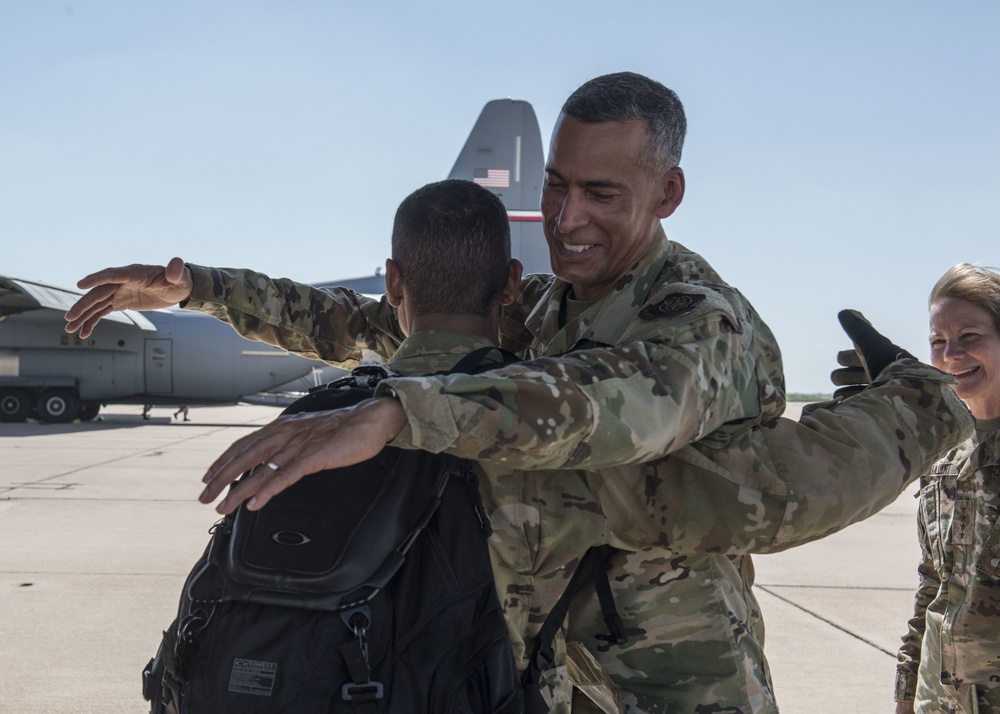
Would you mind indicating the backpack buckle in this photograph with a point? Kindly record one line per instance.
(366, 692)
(361, 689)
(616, 635)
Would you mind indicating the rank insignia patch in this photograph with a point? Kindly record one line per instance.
(672, 306)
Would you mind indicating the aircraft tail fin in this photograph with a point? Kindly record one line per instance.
(504, 154)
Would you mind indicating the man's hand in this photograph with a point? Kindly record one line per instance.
(296, 445)
(133, 287)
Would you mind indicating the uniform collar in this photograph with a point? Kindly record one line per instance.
(433, 351)
(607, 319)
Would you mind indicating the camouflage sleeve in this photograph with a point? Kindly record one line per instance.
(908, 657)
(332, 324)
(783, 483)
(854, 457)
(589, 409)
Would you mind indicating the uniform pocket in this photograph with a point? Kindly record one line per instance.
(988, 561)
(930, 512)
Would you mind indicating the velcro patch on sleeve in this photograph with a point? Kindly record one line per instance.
(672, 306)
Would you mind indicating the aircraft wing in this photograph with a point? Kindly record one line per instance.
(17, 296)
(371, 285)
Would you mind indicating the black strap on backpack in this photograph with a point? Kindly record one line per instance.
(473, 362)
(542, 656)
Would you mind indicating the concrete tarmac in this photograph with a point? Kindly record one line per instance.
(100, 524)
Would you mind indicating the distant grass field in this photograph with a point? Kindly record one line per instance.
(800, 397)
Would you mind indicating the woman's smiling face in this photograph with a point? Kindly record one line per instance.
(965, 342)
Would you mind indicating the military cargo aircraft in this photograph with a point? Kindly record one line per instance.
(158, 357)
(174, 357)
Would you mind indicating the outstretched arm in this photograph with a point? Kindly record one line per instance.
(308, 442)
(586, 409)
(132, 287)
(331, 324)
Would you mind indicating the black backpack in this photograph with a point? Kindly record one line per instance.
(388, 607)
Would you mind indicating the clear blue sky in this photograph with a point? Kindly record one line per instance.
(839, 154)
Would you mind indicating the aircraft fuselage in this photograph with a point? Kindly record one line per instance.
(190, 358)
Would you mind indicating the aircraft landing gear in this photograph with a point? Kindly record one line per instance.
(58, 406)
(89, 411)
(15, 405)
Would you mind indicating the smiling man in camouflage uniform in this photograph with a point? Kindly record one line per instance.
(658, 361)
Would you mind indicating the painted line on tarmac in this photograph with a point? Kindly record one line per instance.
(826, 620)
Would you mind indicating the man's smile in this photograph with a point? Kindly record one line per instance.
(572, 248)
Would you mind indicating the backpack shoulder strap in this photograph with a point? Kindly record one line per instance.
(543, 654)
(472, 363)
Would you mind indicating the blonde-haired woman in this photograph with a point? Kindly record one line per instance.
(950, 658)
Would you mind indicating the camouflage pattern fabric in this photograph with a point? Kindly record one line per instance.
(598, 693)
(950, 657)
(669, 356)
(702, 357)
(672, 356)
(762, 488)
(336, 325)
(507, 495)
(756, 489)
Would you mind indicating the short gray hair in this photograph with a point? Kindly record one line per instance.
(626, 96)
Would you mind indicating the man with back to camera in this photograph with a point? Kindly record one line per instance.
(657, 352)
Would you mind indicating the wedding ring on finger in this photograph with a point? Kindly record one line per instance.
(271, 465)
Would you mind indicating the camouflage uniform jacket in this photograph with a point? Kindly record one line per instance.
(951, 651)
(751, 480)
(672, 354)
(668, 357)
(751, 489)
(769, 487)
(335, 325)
(760, 489)
(698, 357)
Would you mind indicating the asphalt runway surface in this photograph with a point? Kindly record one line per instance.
(100, 524)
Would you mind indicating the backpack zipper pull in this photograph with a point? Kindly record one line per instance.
(361, 688)
(472, 481)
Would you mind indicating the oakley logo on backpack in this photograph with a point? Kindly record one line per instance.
(290, 538)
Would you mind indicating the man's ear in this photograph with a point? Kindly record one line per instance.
(672, 183)
(393, 283)
(513, 282)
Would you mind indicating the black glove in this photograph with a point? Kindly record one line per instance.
(872, 353)
(851, 378)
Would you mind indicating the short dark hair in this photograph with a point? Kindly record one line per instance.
(451, 245)
(626, 96)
